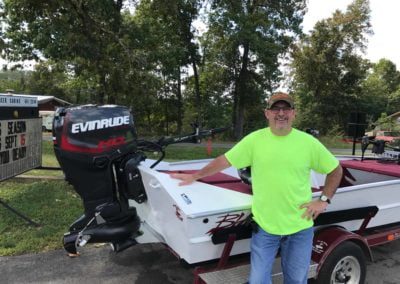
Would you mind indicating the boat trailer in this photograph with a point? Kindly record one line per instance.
(339, 256)
(129, 199)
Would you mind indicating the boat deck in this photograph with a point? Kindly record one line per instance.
(369, 166)
(374, 166)
(224, 181)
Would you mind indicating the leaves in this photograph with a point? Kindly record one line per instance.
(328, 70)
(152, 58)
(245, 40)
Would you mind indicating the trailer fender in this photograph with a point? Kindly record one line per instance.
(327, 239)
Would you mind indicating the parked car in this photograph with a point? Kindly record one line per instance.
(389, 136)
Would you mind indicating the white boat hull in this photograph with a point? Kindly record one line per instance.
(184, 217)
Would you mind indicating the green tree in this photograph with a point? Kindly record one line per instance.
(15, 80)
(169, 50)
(99, 44)
(47, 79)
(328, 70)
(385, 123)
(394, 101)
(87, 35)
(245, 40)
(381, 89)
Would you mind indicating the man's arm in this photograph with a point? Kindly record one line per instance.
(332, 182)
(213, 167)
(316, 207)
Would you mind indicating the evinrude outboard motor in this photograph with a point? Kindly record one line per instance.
(96, 149)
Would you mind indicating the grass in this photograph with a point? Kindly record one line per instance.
(336, 142)
(55, 205)
(48, 160)
(52, 204)
(175, 152)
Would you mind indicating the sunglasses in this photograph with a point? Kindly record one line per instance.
(277, 109)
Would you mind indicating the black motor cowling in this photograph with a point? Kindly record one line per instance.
(96, 148)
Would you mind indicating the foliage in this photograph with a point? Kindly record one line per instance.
(183, 61)
(244, 40)
(328, 69)
(385, 123)
(83, 35)
(169, 49)
(47, 80)
(152, 57)
(14, 80)
(381, 90)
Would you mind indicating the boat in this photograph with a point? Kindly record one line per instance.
(187, 217)
(129, 199)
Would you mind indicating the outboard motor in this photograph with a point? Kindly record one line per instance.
(96, 148)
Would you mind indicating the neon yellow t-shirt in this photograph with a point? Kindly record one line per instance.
(280, 172)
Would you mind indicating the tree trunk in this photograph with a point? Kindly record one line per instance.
(78, 96)
(187, 36)
(166, 116)
(239, 95)
(102, 93)
(196, 87)
(149, 122)
(180, 104)
(238, 114)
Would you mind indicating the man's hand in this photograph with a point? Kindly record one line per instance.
(185, 178)
(313, 209)
(316, 207)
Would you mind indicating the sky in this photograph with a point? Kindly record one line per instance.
(385, 20)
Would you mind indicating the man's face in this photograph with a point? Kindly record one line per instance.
(280, 117)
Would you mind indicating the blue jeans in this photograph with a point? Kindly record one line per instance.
(295, 256)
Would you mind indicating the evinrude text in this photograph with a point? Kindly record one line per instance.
(99, 124)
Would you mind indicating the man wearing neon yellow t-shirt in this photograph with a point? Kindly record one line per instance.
(281, 158)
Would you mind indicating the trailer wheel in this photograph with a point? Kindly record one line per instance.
(345, 264)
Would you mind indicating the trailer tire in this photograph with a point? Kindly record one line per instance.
(345, 264)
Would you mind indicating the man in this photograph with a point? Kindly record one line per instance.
(281, 158)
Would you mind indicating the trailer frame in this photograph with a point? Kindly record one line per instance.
(330, 241)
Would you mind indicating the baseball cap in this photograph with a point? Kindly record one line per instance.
(280, 97)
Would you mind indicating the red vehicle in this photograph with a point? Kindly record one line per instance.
(388, 136)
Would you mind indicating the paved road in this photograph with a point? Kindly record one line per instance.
(149, 263)
(144, 264)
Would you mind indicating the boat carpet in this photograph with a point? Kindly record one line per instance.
(221, 180)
